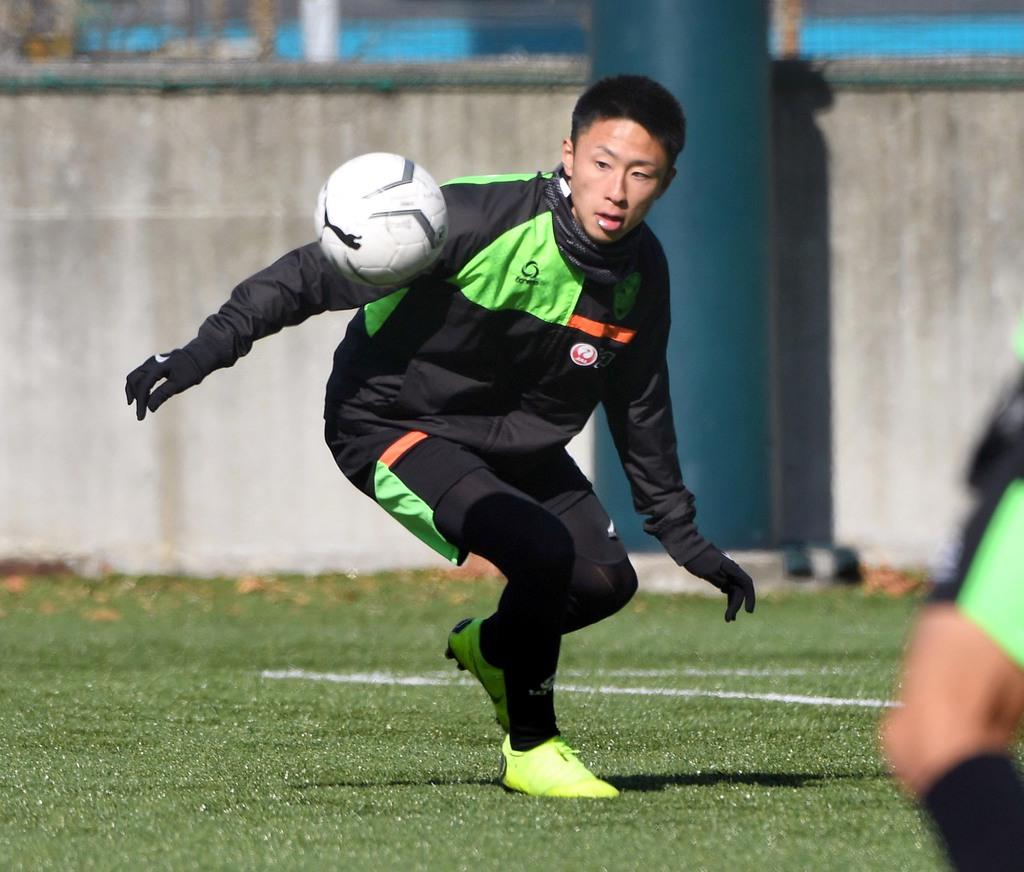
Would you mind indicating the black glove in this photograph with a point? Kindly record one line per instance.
(179, 369)
(713, 566)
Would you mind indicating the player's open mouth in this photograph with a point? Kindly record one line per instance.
(610, 222)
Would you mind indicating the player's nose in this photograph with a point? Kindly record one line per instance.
(616, 192)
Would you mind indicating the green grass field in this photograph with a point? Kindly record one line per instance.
(141, 727)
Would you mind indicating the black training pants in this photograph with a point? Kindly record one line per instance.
(538, 520)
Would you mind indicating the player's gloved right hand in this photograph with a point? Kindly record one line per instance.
(178, 370)
(725, 574)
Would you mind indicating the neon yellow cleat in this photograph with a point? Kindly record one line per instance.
(551, 769)
(464, 649)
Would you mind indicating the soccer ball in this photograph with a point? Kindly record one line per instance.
(381, 219)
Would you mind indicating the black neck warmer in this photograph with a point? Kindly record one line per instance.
(605, 263)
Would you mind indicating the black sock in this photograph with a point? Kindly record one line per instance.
(490, 646)
(978, 807)
(531, 710)
(535, 552)
(529, 693)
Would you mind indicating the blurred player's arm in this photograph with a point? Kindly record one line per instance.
(1005, 430)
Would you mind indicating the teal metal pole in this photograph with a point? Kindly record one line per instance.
(714, 225)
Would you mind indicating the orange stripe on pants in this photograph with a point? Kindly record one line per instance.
(397, 448)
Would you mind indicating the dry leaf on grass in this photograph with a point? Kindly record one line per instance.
(103, 615)
(15, 584)
(892, 582)
(474, 567)
(250, 584)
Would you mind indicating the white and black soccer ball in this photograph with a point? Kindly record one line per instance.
(381, 219)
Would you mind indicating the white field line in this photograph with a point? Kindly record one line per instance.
(380, 678)
(388, 679)
(668, 673)
(792, 698)
(660, 673)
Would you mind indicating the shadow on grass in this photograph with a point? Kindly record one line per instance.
(635, 783)
(649, 783)
(408, 782)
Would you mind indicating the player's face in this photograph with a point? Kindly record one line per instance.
(616, 171)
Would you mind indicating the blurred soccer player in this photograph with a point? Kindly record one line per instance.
(451, 401)
(962, 692)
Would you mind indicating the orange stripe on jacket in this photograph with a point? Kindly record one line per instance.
(397, 448)
(600, 329)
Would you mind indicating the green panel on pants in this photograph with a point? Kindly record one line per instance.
(410, 511)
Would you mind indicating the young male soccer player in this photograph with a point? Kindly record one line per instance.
(963, 684)
(452, 400)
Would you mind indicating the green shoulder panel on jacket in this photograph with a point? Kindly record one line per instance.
(523, 270)
(1020, 342)
(506, 177)
(377, 312)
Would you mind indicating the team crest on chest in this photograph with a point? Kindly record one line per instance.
(583, 354)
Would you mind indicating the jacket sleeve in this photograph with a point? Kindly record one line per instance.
(300, 284)
(638, 407)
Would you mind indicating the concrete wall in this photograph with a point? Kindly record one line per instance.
(125, 218)
(899, 284)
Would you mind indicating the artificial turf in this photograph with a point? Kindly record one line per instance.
(140, 726)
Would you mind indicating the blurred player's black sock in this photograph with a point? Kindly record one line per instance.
(978, 807)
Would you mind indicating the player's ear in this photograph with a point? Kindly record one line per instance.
(669, 176)
(567, 156)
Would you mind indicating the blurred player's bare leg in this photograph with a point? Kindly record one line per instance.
(960, 695)
(962, 698)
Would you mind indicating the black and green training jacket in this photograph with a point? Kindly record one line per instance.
(504, 346)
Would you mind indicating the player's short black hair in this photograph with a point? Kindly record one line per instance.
(639, 99)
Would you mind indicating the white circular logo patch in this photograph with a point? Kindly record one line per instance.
(583, 354)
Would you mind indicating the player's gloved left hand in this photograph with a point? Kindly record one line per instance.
(179, 370)
(725, 574)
